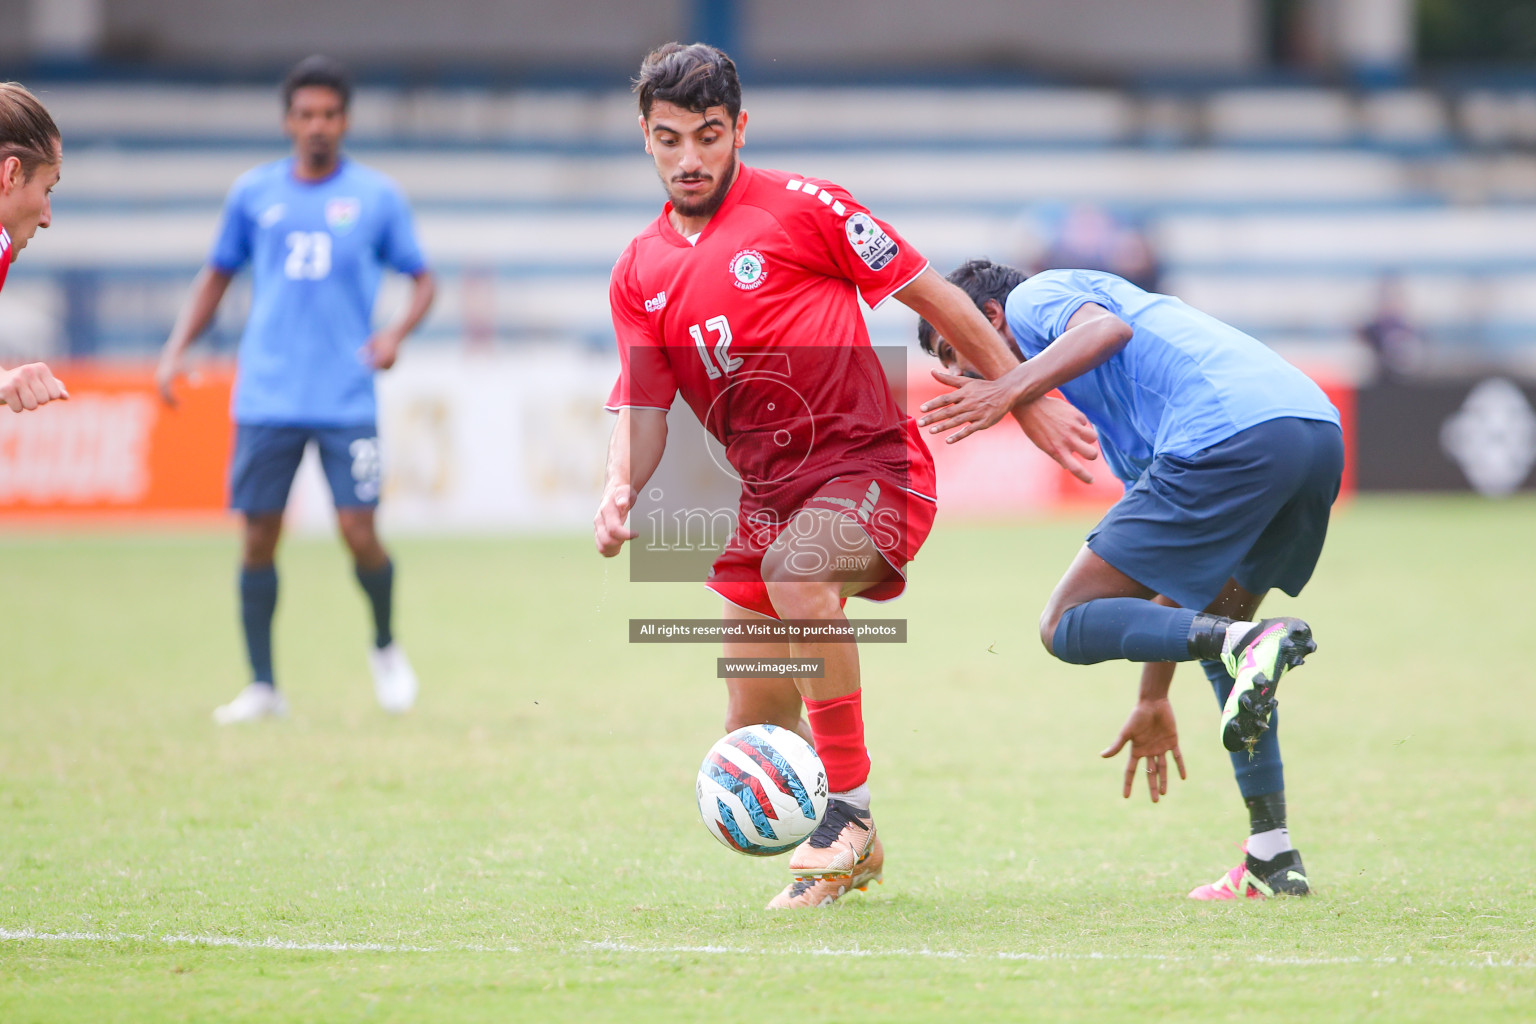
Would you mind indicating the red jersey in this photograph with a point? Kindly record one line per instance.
(5, 255)
(757, 325)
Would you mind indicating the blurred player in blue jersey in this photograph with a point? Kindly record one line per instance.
(1231, 458)
(317, 229)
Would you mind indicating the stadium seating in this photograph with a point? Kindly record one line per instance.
(1278, 209)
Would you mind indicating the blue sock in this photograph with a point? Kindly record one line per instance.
(1126, 628)
(1264, 772)
(379, 585)
(258, 600)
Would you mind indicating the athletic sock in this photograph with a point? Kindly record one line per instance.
(1269, 845)
(856, 797)
(838, 728)
(258, 600)
(1266, 812)
(1126, 628)
(379, 585)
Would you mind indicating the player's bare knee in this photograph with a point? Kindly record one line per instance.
(258, 541)
(357, 531)
(800, 599)
(1050, 618)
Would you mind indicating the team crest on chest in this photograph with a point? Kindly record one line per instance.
(748, 269)
(341, 214)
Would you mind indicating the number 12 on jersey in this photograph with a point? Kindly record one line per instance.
(728, 364)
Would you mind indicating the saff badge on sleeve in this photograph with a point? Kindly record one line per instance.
(876, 248)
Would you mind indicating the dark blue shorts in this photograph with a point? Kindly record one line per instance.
(1252, 508)
(267, 456)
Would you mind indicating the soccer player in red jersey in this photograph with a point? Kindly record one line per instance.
(743, 297)
(30, 156)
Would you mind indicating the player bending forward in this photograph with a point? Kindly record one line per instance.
(743, 297)
(31, 153)
(317, 229)
(1231, 459)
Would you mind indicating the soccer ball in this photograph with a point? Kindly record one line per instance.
(762, 790)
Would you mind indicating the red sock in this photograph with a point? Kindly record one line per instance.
(838, 728)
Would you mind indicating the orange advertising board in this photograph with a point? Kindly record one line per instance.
(115, 451)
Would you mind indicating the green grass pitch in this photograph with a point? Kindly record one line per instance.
(525, 846)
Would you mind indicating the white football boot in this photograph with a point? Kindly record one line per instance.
(255, 702)
(394, 681)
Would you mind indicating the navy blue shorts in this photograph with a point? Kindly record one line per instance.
(1253, 508)
(267, 456)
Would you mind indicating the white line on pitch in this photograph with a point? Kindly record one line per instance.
(28, 934)
(233, 942)
(950, 954)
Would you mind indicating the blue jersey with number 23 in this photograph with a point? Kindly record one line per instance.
(317, 250)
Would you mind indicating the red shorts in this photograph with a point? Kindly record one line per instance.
(896, 518)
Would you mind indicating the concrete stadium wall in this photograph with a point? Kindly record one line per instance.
(541, 32)
(14, 39)
(796, 34)
(1107, 35)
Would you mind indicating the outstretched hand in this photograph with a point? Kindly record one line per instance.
(975, 404)
(1052, 425)
(1152, 733)
(1061, 431)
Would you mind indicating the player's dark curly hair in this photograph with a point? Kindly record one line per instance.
(322, 71)
(27, 132)
(695, 77)
(981, 280)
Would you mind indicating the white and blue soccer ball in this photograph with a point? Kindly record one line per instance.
(762, 790)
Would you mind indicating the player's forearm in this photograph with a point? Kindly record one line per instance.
(1156, 678)
(1077, 351)
(423, 293)
(956, 317)
(208, 290)
(635, 449)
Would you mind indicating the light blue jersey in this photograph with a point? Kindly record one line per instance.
(1183, 382)
(317, 250)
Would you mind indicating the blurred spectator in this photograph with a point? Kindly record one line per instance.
(1398, 347)
(1088, 237)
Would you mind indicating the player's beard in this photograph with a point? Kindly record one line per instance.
(706, 204)
(320, 153)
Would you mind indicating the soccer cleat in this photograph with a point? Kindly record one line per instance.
(394, 681)
(843, 853)
(1257, 662)
(1256, 879)
(824, 890)
(256, 701)
(844, 840)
